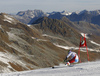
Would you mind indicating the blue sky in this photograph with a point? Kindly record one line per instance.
(14, 6)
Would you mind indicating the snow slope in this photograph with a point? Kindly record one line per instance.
(82, 69)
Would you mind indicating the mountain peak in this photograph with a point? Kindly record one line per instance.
(57, 15)
(84, 11)
(39, 20)
(30, 13)
(65, 13)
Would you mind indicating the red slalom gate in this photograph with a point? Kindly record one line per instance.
(83, 44)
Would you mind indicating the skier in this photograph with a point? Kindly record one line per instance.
(74, 58)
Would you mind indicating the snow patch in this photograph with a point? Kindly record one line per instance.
(28, 25)
(3, 57)
(94, 43)
(65, 47)
(9, 19)
(38, 39)
(0, 26)
(76, 48)
(51, 36)
(11, 34)
(6, 58)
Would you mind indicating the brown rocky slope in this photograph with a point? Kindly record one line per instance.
(23, 47)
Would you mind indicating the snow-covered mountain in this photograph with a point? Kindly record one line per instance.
(65, 13)
(31, 13)
(27, 16)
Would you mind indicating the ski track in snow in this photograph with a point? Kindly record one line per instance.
(82, 69)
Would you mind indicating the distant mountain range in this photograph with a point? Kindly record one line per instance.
(87, 16)
(30, 16)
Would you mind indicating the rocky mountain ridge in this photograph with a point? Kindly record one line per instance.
(60, 28)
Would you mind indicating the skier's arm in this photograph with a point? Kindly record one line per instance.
(67, 56)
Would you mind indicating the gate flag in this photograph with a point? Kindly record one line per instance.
(83, 42)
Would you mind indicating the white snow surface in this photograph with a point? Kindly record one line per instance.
(95, 43)
(81, 69)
